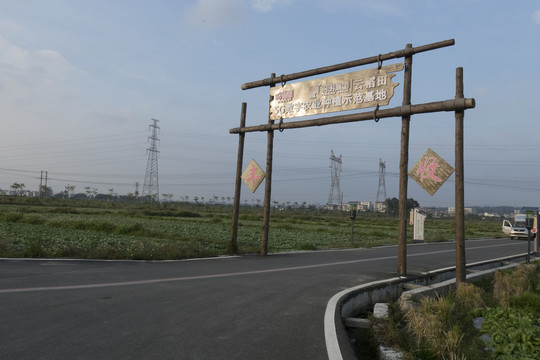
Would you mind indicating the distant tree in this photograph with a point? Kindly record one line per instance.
(69, 190)
(101, 197)
(392, 205)
(79, 196)
(168, 196)
(18, 187)
(411, 204)
(45, 191)
(90, 192)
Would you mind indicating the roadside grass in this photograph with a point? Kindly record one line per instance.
(154, 233)
(508, 306)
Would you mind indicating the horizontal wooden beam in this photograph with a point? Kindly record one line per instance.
(346, 65)
(460, 104)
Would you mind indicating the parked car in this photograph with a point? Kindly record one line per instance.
(518, 230)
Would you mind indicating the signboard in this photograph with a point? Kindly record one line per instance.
(360, 89)
(536, 244)
(529, 222)
(431, 171)
(534, 230)
(253, 176)
(418, 229)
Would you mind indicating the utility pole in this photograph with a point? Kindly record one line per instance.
(233, 245)
(151, 180)
(403, 167)
(461, 267)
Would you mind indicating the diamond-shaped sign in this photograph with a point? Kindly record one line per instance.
(253, 175)
(431, 171)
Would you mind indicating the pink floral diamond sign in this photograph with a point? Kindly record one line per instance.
(253, 175)
(431, 171)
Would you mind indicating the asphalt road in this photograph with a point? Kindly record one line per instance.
(247, 307)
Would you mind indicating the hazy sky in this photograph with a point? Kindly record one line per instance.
(80, 82)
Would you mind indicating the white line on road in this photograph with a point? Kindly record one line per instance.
(215, 276)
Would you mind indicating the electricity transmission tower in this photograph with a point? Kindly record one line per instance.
(382, 187)
(336, 196)
(43, 186)
(151, 182)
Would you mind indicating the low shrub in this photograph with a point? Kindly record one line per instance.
(442, 327)
(131, 229)
(12, 216)
(509, 284)
(33, 219)
(307, 246)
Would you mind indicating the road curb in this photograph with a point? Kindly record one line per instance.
(347, 302)
(334, 330)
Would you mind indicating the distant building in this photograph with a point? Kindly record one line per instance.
(452, 211)
(380, 206)
(27, 193)
(347, 206)
(364, 206)
(333, 207)
(487, 214)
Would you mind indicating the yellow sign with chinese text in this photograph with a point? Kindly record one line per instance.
(253, 176)
(355, 90)
(431, 171)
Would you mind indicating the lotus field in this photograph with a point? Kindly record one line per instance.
(104, 230)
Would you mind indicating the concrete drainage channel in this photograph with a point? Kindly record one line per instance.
(343, 308)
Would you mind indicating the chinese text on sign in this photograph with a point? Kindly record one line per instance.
(360, 89)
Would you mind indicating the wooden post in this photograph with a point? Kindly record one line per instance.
(403, 168)
(233, 246)
(458, 105)
(460, 188)
(400, 111)
(349, 64)
(268, 184)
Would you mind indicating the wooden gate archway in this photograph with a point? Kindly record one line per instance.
(458, 105)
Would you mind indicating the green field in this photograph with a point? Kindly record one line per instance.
(111, 230)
